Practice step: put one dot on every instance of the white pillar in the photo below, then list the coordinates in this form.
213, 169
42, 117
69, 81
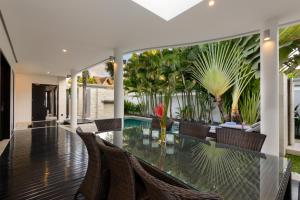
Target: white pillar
62, 95
283, 116
269, 56
118, 85
74, 99
292, 112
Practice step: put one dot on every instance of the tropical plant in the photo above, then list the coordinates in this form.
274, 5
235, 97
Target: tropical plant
289, 45
244, 76
110, 68
132, 108
250, 103
85, 77
216, 66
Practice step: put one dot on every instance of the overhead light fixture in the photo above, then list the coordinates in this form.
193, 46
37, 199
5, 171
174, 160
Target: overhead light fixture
64, 50
48, 72
167, 9
211, 3
267, 35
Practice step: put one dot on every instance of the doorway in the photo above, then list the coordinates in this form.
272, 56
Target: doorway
44, 102
5, 98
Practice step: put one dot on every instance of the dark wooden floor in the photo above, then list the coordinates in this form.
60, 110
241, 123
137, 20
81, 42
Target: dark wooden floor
45, 163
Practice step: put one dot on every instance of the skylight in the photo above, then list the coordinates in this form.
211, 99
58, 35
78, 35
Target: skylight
167, 9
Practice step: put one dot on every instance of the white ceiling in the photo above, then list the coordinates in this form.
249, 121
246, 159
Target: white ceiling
90, 29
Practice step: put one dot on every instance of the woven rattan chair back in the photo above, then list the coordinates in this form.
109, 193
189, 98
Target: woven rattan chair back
92, 184
235, 137
159, 190
194, 129
122, 180
104, 125
155, 124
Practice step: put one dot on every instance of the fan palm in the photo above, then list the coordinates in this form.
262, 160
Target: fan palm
245, 75
216, 66
289, 43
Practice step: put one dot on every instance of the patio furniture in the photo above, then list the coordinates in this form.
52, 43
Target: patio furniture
105, 125
91, 187
246, 140
194, 129
155, 124
154, 171
122, 179
210, 167
159, 190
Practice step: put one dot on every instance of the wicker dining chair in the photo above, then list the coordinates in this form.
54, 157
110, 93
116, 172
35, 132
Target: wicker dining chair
239, 138
155, 124
92, 186
122, 179
104, 125
157, 173
194, 129
159, 190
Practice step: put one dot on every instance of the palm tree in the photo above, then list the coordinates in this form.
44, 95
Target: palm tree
289, 44
110, 68
85, 78
169, 71
216, 66
244, 76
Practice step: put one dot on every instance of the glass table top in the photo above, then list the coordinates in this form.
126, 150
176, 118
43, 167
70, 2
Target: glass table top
205, 165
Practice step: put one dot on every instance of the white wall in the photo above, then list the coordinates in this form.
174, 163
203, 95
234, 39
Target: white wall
23, 91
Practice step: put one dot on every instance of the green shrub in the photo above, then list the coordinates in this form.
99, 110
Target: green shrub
132, 108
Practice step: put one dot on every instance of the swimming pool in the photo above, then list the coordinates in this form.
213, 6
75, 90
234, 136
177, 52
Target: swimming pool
130, 122
137, 122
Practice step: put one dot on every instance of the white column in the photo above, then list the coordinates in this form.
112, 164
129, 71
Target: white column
292, 112
118, 85
269, 87
62, 94
283, 116
74, 99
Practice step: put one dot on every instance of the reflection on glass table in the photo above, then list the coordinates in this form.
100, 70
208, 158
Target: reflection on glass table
209, 167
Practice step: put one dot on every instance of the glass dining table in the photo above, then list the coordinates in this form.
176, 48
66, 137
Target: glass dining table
207, 166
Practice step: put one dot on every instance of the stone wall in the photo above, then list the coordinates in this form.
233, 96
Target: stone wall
100, 102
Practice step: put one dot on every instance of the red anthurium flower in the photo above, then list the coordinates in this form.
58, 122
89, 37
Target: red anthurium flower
159, 110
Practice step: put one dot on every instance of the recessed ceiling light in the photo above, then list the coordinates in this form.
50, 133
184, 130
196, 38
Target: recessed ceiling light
211, 3
167, 9
64, 50
48, 72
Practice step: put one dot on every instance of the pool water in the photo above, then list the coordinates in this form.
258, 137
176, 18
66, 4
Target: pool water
133, 122
145, 123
